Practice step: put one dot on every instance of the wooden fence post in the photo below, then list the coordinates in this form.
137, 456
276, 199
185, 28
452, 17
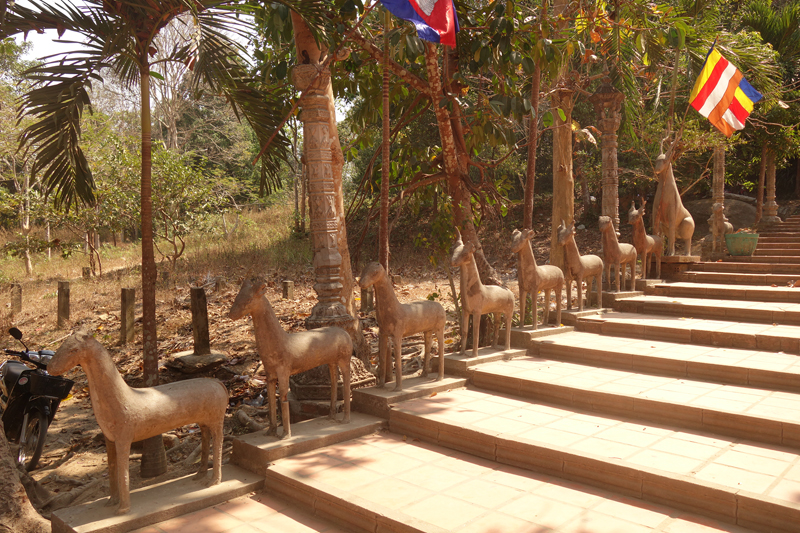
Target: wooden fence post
202, 344
127, 316
288, 290
16, 298
367, 302
63, 303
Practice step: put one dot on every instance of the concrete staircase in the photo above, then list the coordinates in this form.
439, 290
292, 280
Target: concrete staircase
677, 411
682, 405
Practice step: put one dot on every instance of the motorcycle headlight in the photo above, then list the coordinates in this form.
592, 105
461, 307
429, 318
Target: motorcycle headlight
34, 357
46, 358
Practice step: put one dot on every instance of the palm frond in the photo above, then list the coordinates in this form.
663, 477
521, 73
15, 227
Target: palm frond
59, 96
217, 64
52, 140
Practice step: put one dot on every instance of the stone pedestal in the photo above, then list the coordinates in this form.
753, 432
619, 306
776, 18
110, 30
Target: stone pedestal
607, 102
673, 265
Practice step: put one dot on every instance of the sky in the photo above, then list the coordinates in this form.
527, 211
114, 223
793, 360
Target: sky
44, 44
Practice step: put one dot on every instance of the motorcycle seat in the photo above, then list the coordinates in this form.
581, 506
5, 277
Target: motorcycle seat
12, 370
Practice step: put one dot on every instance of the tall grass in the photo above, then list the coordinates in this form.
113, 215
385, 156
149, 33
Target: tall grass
262, 243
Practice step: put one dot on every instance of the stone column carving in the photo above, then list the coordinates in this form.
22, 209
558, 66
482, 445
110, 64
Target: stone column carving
325, 217
607, 102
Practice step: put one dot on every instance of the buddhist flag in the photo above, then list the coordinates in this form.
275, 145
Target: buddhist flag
722, 95
436, 20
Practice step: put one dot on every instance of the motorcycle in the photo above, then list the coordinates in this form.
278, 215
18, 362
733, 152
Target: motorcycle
29, 399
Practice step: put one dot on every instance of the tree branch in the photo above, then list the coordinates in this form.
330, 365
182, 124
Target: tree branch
376, 53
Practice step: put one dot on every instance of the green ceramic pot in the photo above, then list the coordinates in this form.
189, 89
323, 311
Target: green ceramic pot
741, 243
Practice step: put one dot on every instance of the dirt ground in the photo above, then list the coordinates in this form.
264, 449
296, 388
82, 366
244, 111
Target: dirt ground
73, 466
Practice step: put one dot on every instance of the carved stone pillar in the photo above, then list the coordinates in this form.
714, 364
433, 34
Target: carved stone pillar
607, 102
770, 205
325, 218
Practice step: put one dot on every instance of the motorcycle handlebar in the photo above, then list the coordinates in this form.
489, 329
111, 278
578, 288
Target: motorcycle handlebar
25, 357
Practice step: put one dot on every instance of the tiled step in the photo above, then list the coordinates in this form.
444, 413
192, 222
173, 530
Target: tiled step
746, 267
253, 450
760, 415
778, 246
391, 482
785, 236
769, 370
156, 503
763, 259
776, 239
777, 252
726, 292
698, 331
774, 232
740, 482
734, 278
715, 309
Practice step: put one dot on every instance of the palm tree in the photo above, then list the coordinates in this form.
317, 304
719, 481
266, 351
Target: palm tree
119, 36
780, 27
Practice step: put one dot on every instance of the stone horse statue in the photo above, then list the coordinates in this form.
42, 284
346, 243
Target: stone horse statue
671, 217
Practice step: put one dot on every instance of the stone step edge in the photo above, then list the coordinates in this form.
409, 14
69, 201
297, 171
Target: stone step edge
759, 429
780, 294
768, 259
156, 503
704, 337
699, 310
745, 278
377, 401
738, 507
354, 513
663, 366
252, 451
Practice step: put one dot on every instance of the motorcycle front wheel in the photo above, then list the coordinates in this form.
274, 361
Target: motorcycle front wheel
35, 433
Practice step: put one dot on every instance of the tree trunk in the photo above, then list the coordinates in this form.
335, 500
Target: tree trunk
152, 463
383, 238
455, 157
17, 515
26, 225
305, 43
762, 172
563, 181
303, 201
585, 196
47, 237
533, 141
718, 179
797, 178
298, 176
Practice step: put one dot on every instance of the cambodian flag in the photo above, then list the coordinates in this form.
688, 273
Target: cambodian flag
436, 20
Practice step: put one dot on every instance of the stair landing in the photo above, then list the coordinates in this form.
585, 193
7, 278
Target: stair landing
377, 482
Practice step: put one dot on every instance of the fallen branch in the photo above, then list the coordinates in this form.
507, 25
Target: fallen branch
248, 422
